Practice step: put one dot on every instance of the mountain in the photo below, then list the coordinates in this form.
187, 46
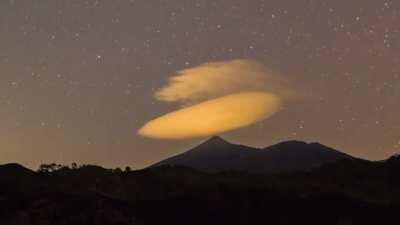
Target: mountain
216, 154
351, 191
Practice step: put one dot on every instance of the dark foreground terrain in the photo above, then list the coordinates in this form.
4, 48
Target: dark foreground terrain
347, 191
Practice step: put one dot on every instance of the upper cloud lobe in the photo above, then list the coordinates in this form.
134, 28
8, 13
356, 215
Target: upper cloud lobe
212, 80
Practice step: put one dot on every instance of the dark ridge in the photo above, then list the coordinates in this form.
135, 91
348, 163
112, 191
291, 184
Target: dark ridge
15, 169
340, 192
217, 155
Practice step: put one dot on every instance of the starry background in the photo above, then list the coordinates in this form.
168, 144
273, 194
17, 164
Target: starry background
77, 77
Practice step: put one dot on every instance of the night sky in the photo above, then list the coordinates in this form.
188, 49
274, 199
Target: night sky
78, 79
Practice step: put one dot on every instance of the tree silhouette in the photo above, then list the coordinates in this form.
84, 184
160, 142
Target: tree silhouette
128, 169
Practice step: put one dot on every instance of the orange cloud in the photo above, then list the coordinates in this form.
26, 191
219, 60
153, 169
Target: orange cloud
212, 80
214, 116
218, 97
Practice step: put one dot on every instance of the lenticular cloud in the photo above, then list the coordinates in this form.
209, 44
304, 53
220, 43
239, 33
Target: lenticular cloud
217, 97
213, 116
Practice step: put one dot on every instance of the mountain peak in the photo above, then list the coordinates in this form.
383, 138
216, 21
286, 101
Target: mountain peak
292, 142
216, 140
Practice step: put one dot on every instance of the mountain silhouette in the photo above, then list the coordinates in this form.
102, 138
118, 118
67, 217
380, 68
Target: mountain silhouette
348, 191
216, 155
